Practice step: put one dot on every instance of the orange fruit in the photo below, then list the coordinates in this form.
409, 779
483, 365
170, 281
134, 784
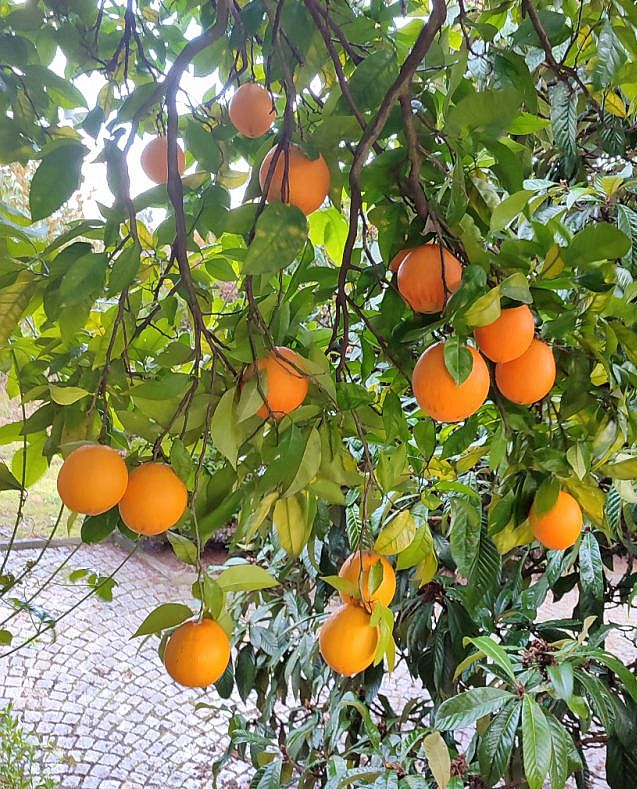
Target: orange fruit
155, 499
420, 279
284, 386
439, 395
197, 653
308, 181
560, 527
251, 110
394, 263
528, 378
508, 336
347, 641
358, 573
154, 160
92, 479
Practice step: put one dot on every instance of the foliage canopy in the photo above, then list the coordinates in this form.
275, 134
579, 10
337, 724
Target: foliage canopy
503, 131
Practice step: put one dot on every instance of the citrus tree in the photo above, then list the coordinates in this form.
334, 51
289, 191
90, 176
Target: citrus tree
382, 322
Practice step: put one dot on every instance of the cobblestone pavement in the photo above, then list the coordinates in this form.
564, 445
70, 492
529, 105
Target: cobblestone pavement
114, 718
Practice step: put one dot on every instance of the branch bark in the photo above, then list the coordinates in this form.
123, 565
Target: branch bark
370, 136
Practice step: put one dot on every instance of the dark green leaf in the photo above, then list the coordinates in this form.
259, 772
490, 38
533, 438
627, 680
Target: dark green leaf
536, 743
496, 744
467, 707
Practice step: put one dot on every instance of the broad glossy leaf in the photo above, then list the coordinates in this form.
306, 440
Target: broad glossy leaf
56, 178
465, 708
280, 234
165, 616
536, 743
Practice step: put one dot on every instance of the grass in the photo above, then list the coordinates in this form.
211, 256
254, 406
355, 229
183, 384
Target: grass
19, 756
43, 503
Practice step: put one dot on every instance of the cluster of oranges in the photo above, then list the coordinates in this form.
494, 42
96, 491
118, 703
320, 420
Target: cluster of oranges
347, 640
524, 367
151, 499
293, 178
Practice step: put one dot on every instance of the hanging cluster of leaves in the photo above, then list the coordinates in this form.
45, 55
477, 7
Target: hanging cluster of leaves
505, 132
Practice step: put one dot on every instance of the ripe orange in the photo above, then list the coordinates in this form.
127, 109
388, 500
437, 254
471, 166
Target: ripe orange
352, 571
528, 378
197, 653
560, 527
284, 386
439, 395
508, 336
394, 263
308, 181
92, 479
347, 641
251, 110
154, 160
420, 280
155, 499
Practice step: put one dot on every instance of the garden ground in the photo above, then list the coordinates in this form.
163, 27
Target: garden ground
112, 717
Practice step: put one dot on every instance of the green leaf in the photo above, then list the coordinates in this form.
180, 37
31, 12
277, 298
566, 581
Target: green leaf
561, 676
245, 670
6, 637
181, 461
610, 57
624, 469
56, 178
564, 117
563, 747
527, 123
509, 209
185, 550
468, 707
67, 395
546, 495
349, 700
341, 584
165, 616
464, 537
536, 743
35, 460
83, 279
14, 299
245, 578
597, 241
590, 566
397, 535
493, 650
484, 309
309, 466
291, 524
124, 269
223, 427
438, 758
425, 438
418, 550
516, 287
458, 360
281, 233
372, 77
96, 528
497, 742
7, 480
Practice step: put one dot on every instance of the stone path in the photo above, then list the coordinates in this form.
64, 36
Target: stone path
113, 716
116, 720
